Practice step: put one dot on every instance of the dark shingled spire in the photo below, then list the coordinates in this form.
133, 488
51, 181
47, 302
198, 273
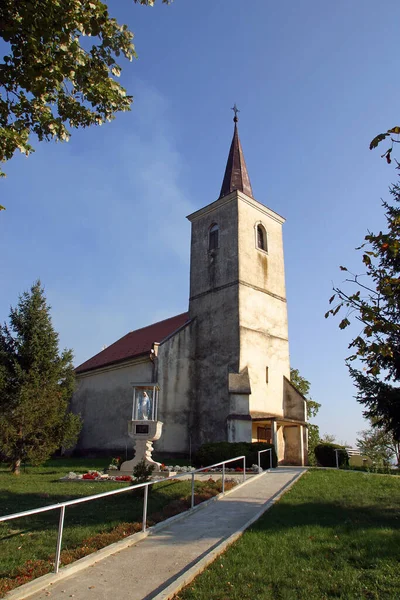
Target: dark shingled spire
236, 176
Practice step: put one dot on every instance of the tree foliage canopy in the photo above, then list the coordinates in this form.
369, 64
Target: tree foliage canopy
375, 304
379, 445
381, 137
301, 384
36, 384
52, 78
313, 407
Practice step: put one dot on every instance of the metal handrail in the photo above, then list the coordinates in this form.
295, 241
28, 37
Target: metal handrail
270, 457
62, 505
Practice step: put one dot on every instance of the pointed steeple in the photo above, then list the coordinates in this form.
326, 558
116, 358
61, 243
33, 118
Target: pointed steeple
236, 176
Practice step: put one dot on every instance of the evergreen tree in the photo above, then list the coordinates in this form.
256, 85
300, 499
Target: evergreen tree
313, 407
376, 305
36, 384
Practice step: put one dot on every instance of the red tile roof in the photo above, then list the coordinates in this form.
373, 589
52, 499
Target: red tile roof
134, 343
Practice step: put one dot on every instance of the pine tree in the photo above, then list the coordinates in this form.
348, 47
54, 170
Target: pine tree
36, 384
376, 305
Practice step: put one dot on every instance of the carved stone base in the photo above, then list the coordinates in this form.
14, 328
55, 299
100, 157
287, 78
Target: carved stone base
143, 451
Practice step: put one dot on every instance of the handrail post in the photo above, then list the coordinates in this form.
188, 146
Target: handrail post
223, 478
192, 500
244, 469
259, 460
337, 458
145, 496
59, 539
270, 457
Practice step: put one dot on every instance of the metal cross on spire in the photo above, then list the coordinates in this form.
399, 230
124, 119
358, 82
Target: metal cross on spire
236, 111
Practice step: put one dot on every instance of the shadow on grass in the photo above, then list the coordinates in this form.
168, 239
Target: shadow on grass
356, 535
101, 513
329, 514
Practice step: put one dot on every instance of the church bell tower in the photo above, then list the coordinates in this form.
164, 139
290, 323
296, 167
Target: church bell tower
238, 304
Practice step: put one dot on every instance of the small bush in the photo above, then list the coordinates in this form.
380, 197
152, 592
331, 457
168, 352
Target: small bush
326, 455
209, 454
142, 472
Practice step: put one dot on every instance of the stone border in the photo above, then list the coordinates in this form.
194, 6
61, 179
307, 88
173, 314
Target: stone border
27, 589
183, 580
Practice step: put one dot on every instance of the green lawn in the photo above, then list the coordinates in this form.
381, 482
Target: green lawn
34, 538
333, 535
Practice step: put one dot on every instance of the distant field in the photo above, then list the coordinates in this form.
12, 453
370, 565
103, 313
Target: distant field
333, 535
27, 546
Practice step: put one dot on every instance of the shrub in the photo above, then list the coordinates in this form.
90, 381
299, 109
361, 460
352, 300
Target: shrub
142, 472
326, 455
209, 454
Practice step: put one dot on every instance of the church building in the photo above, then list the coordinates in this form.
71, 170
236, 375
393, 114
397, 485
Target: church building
219, 372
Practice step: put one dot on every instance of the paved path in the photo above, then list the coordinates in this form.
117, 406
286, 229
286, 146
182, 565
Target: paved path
143, 571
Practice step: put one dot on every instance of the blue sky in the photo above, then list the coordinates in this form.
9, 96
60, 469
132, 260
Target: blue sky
101, 220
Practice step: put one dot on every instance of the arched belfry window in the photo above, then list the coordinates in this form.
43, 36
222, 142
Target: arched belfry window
213, 241
261, 237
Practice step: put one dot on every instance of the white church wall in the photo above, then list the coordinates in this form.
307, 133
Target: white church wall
214, 306
262, 307
239, 404
104, 399
174, 406
292, 445
239, 430
295, 406
265, 353
265, 270
210, 269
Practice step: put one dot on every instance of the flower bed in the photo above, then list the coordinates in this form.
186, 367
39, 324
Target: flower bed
97, 476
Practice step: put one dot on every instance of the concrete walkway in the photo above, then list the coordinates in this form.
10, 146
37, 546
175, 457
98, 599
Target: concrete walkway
159, 565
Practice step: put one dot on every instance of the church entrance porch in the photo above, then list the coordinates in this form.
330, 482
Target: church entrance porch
288, 436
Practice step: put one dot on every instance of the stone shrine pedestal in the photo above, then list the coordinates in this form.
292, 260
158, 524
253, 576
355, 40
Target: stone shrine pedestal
143, 433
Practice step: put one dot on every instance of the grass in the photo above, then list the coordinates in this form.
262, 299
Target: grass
333, 535
28, 544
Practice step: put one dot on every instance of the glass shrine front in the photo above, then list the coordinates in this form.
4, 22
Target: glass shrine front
145, 400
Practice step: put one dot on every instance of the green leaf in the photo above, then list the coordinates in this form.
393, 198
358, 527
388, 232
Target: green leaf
343, 268
331, 299
344, 323
366, 259
378, 139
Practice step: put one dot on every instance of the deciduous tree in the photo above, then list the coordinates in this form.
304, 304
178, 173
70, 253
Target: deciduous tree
373, 301
36, 384
59, 70
379, 445
313, 407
